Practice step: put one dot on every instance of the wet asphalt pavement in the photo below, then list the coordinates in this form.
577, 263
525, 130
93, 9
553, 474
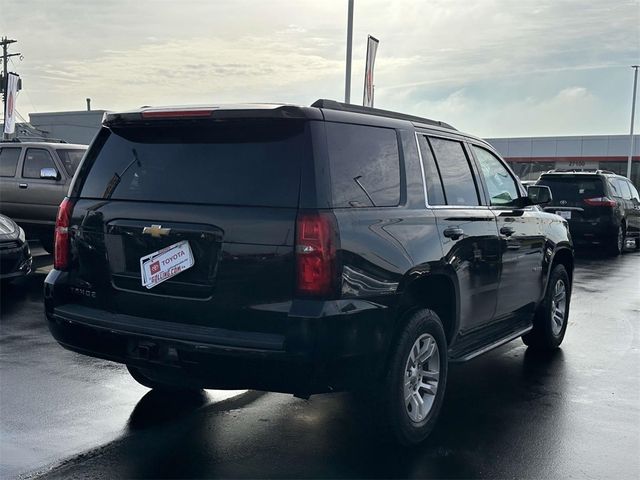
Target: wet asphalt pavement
574, 413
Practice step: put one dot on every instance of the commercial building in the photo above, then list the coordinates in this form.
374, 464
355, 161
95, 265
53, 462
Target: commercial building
531, 156
71, 127
528, 156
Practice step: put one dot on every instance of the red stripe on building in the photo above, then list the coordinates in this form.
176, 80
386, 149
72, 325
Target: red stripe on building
636, 158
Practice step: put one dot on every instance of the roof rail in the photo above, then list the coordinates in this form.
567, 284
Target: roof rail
347, 107
36, 139
579, 170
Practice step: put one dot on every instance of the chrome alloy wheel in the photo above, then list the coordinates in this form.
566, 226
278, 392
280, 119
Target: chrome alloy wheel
422, 372
558, 307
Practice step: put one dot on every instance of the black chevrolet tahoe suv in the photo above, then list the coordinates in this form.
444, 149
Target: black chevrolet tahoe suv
602, 208
303, 250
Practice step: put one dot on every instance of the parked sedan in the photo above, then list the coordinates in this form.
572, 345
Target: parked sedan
15, 256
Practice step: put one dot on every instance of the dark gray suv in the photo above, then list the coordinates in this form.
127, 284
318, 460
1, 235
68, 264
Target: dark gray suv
602, 208
34, 178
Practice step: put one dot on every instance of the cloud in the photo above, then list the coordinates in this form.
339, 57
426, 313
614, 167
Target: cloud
438, 56
571, 110
574, 93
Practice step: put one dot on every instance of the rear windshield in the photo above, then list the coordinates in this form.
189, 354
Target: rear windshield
573, 187
253, 163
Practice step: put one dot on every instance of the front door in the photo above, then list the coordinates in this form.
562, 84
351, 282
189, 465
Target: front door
521, 238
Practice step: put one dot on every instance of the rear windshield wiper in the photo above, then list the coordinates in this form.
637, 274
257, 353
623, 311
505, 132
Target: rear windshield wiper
357, 180
115, 179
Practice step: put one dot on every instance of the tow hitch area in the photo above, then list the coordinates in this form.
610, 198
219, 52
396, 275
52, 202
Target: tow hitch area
153, 352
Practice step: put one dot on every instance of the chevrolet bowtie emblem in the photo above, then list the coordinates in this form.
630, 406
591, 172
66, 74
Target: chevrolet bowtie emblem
156, 231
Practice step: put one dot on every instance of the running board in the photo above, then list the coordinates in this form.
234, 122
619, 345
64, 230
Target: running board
491, 346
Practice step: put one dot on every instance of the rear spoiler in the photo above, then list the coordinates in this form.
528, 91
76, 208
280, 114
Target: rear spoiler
150, 116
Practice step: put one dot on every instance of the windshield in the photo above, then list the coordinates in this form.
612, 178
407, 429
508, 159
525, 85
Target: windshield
230, 163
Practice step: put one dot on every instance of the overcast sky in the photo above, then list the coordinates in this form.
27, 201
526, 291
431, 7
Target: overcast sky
490, 67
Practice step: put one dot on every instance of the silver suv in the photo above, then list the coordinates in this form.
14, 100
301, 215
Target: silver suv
34, 178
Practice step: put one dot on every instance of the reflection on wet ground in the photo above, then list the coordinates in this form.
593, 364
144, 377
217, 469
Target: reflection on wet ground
511, 413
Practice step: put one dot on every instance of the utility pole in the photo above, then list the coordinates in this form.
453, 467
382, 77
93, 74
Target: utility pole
5, 42
633, 114
347, 77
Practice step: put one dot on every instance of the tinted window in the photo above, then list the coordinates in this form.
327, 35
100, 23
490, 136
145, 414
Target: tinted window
459, 187
573, 188
365, 165
615, 188
435, 193
634, 192
70, 159
233, 163
501, 185
35, 160
623, 187
8, 161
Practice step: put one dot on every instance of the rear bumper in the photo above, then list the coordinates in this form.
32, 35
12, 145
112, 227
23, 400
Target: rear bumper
596, 232
327, 346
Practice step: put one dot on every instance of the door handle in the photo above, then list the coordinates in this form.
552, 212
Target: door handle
454, 233
23, 185
507, 231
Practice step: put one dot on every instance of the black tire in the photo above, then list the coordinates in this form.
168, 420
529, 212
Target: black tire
150, 379
547, 334
638, 243
616, 244
47, 243
395, 415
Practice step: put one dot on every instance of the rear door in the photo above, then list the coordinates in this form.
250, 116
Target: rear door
467, 229
633, 214
521, 238
228, 188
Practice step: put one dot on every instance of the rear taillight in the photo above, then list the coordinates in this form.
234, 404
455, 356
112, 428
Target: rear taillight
600, 202
316, 260
61, 250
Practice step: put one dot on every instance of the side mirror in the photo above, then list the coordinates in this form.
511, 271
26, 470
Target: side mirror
539, 194
49, 174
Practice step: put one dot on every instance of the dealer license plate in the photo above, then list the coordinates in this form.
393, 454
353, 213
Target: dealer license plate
565, 214
164, 264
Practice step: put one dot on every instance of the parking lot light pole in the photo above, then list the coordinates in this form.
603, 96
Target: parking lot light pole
633, 114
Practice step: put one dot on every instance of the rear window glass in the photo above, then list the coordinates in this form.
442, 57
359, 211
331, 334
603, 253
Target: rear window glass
365, 165
573, 188
70, 159
8, 161
459, 186
435, 193
253, 163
